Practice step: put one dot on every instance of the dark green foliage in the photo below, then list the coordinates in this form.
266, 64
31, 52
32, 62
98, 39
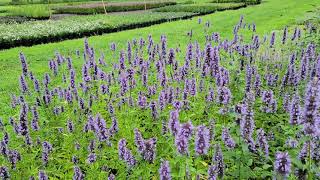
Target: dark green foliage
201, 8
237, 1
111, 8
74, 27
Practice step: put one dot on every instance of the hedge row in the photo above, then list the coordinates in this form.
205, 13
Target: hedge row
17, 35
201, 8
111, 8
248, 2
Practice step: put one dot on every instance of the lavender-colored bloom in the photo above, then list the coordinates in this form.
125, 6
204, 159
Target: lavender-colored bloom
164, 171
36, 85
177, 105
181, 142
292, 143
111, 109
210, 96
173, 123
247, 126
125, 154
77, 173
142, 101
315, 153
139, 141
70, 126
111, 177
227, 139
202, 140
270, 104
14, 156
248, 78
35, 119
212, 173
262, 142
162, 100
129, 158
285, 34
257, 85
295, 34
91, 158
43, 175
186, 129
24, 64
286, 103
6, 138
46, 149
145, 147
212, 129
4, 150
101, 129
114, 127
163, 47
171, 56
4, 173
303, 154
295, 111
92, 146
23, 84
75, 160
272, 39
23, 129
112, 46
224, 95
122, 148
311, 119
149, 152
218, 161
282, 164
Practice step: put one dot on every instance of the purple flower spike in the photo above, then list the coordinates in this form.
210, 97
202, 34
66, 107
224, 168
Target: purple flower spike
202, 140
218, 160
295, 111
227, 139
282, 164
43, 175
164, 171
78, 175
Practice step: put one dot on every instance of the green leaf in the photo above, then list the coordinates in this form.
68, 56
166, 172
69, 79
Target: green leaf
266, 166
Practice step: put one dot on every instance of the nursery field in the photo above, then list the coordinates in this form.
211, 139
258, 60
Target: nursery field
27, 25
217, 89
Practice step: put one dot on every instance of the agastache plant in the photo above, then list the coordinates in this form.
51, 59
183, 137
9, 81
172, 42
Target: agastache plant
164, 171
282, 164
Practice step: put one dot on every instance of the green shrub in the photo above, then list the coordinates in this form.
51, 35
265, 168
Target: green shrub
201, 8
111, 8
37, 32
30, 11
237, 1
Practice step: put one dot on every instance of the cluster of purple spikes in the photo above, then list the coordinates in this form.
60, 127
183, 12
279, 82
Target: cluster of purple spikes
159, 83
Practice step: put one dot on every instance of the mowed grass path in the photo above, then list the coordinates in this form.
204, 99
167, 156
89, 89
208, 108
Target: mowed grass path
268, 16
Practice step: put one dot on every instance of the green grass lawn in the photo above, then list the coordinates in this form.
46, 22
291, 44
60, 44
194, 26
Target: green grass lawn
268, 16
